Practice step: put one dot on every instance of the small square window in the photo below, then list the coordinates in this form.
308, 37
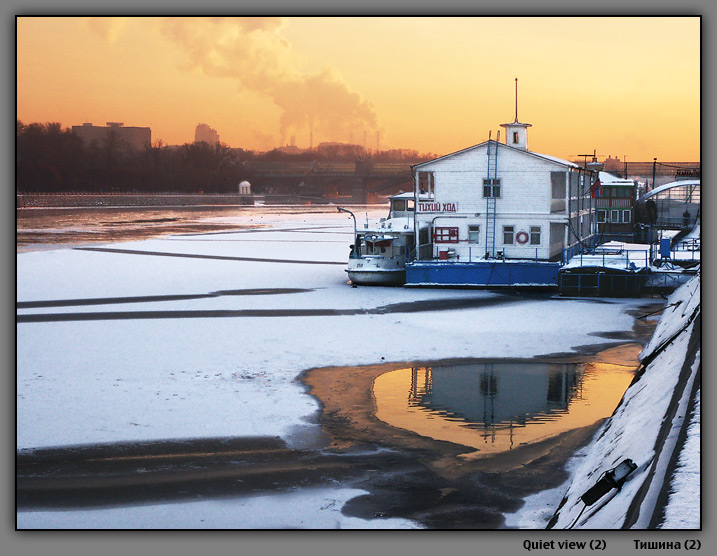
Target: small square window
615, 216
626, 216
473, 234
535, 235
491, 188
508, 235
602, 216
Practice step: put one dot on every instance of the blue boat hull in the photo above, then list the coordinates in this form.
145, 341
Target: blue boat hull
494, 274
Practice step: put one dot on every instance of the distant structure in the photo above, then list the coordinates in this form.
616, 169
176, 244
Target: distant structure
134, 137
205, 134
244, 188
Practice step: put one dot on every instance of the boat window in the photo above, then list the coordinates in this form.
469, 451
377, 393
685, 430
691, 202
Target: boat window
399, 205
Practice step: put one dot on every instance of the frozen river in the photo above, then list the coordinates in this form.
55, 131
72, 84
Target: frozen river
165, 357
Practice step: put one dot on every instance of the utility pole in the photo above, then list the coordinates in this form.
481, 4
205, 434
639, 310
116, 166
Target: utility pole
654, 167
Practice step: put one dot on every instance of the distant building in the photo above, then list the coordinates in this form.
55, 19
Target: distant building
205, 134
133, 137
615, 204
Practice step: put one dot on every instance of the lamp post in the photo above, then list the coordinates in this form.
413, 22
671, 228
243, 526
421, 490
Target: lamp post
355, 247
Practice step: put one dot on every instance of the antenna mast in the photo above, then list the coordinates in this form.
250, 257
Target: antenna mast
516, 99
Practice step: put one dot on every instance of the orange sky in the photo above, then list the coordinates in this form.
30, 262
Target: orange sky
622, 86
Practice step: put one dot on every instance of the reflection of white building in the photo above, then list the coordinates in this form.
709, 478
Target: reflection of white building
495, 393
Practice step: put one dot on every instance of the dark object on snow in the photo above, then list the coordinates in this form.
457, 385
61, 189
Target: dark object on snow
614, 478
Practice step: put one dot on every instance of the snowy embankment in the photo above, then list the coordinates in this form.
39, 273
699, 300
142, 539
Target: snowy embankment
648, 427
204, 336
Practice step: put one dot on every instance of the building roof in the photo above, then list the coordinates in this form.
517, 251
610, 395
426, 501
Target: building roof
669, 186
607, 178
504, 146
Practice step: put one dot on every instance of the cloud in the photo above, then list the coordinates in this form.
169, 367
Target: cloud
109, 28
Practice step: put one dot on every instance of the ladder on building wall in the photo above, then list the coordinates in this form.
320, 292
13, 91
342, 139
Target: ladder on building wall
490, 210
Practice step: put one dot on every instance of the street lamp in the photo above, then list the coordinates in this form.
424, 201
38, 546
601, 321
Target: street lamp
355, 247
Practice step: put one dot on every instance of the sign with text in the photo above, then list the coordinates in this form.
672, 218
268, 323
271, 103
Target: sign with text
436, 207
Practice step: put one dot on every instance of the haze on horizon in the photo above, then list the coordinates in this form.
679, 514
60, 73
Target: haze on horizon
624, 86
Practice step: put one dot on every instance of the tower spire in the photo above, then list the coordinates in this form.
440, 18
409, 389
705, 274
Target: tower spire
516, 132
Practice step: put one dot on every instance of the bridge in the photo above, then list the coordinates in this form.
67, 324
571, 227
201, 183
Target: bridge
358, 182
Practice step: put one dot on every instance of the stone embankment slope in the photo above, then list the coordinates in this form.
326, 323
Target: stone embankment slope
651, 426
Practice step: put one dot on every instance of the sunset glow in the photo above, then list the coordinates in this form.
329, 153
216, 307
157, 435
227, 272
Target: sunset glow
624, 86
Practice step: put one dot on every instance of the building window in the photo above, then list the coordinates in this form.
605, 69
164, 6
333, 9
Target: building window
615, 216
602, 216
535, 235
515, 137
508, 235
626, 216
425, 182
445, 235
473, 234
491, 188
557, 185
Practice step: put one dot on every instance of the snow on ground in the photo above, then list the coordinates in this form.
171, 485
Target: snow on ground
632, 432
685, 486
631, 256
313, 508
191, 375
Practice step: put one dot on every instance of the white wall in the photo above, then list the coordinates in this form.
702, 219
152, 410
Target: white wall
525, 200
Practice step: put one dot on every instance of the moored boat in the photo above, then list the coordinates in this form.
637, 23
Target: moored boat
379, 253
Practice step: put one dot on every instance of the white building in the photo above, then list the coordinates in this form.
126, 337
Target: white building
501, 201
244, 188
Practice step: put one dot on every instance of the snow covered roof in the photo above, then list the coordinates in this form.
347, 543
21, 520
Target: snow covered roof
609, 179
503, 146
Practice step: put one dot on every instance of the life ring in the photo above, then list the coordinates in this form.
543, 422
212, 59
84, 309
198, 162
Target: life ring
522, 237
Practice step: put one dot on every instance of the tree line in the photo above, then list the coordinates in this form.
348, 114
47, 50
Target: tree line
52, 159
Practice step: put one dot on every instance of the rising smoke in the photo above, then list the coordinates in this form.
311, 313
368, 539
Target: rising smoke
252, 51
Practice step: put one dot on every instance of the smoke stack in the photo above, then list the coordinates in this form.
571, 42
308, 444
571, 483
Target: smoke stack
378, 139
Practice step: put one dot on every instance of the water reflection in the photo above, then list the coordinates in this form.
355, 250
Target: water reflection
495, 406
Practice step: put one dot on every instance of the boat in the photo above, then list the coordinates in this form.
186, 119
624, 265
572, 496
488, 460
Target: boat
379, 253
